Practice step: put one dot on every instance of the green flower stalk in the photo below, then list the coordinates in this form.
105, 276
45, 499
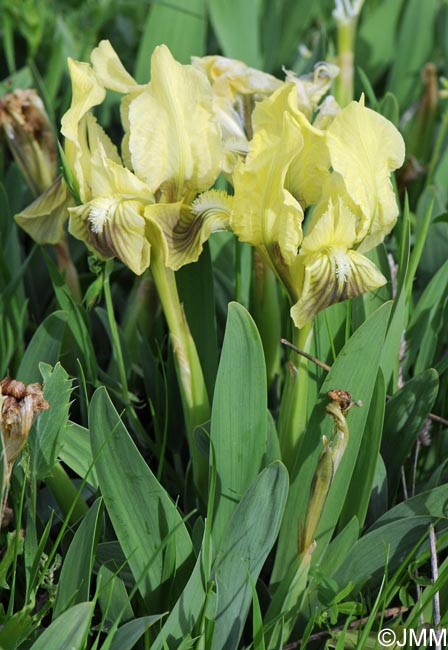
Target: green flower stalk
346, 15
327, 466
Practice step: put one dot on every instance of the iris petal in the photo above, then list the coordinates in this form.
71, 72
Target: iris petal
173, 141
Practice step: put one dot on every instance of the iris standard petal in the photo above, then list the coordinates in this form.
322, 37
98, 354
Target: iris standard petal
364, 149
174, 142
264, 212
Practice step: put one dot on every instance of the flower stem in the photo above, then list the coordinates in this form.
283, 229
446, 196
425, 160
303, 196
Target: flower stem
294, 404
68, 269
344, 81
346, 14
141, 312
195, 401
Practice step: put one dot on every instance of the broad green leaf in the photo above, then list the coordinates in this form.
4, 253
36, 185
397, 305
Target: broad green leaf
358, 495
273, 446
328, 336
238, 423
113, 597
182, 26
140, 509
76, 572
77, 452
69, 630
394, 540
44, 346
128, 634
248, 538
432, 503
236, 25
47, 436
186, 613
340, 547
404, 417
355, 370
111, 553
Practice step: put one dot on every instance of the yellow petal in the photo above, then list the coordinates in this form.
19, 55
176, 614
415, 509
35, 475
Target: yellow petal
235, 76
44, 219
364, 149
110, 70
309, 171
113, 228
174, 142
112, 222
86, 93
327, 270
109, 178
322, 286
181, 229
265, 213
98, 138
336, 228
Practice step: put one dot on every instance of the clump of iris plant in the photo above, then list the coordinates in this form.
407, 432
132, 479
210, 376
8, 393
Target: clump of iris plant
311, 188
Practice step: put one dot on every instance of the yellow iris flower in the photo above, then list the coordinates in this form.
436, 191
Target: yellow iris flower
344, 171
171, 143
